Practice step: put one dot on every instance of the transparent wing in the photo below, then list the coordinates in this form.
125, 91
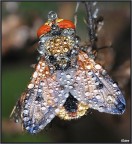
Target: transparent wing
16, 112
41, 100
95, 87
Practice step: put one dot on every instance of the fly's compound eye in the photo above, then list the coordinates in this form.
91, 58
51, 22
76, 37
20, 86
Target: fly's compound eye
64, 24
43, 30
67, 26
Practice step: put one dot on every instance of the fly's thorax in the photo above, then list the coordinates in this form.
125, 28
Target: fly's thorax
59, 45
59, 50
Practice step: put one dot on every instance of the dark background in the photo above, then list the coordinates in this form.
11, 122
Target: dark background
20, 21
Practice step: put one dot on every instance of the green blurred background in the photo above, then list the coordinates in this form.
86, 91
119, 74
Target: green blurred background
20, 21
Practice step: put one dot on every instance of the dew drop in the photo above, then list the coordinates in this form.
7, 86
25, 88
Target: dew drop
25, 111
110, 98
26, 118
68, 76
57, 111
30, 86
98, 96
52, 15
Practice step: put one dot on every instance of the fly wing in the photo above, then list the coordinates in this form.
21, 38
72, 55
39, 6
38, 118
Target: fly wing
42, 99
95, 87
16, 112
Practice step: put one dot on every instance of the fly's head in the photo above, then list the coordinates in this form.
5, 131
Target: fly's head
58, 41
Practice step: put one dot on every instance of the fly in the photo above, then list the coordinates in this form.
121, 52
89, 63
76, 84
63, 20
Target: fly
67, 81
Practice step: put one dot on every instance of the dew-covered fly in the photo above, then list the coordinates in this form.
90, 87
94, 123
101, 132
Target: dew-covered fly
66, 82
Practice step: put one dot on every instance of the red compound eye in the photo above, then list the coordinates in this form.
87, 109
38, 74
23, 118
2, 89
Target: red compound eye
62, 24
43, 30
66, 24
